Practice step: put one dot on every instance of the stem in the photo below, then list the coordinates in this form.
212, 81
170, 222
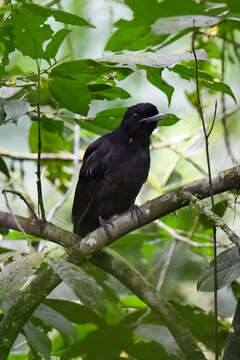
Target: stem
39, 184
211, 191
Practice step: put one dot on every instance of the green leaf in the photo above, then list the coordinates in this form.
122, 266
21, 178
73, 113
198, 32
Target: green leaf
147, 58
17, 235
37, 340
6, 41
137, 34
174, 24
87, 70
201, 324
228, 269
14, 109
58, 15
155, 77
133, 38
104, 91
4, 168
73, 311
71, 95
169, 120
55, 320
133, 301
205, 79
104, 122
55, 43
233, 6
30, 32
84, 286
14, 275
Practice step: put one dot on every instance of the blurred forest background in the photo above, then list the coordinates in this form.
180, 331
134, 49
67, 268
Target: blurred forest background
81, 72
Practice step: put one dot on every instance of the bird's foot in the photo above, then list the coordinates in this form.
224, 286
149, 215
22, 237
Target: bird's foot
137, 212
106, 224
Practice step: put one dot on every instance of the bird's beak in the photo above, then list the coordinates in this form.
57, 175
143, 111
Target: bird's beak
154, 118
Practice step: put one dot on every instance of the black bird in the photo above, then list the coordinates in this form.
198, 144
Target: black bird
114, 168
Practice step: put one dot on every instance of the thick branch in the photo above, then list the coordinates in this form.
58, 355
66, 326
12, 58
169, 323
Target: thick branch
123, 224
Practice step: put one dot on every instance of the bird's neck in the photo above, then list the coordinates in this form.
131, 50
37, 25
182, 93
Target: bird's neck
123, 135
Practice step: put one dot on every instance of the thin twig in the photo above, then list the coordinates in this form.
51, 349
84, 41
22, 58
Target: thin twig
213, 121
165, 266
14, 217
181, 238
211, 189
34, 156
218, 221
24, 200
179, 153
39, 184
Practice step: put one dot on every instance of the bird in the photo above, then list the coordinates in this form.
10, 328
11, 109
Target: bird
114, 168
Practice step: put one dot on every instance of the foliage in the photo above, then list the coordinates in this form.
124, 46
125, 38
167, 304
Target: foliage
93, 316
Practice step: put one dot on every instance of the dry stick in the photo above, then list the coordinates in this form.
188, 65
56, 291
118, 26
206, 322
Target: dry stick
223, 103
211, 189
22, 198
39, 184
218, 221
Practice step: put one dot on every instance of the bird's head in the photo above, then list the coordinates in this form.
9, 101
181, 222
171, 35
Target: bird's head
140, 120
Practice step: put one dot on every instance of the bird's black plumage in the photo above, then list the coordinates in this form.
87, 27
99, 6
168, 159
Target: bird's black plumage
114, 168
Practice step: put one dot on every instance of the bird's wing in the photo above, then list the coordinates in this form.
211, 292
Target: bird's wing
91, 173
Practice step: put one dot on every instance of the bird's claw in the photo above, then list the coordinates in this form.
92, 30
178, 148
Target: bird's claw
106, 224
137, 212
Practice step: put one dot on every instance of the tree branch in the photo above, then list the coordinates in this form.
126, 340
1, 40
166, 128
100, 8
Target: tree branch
123, 224
158, 207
